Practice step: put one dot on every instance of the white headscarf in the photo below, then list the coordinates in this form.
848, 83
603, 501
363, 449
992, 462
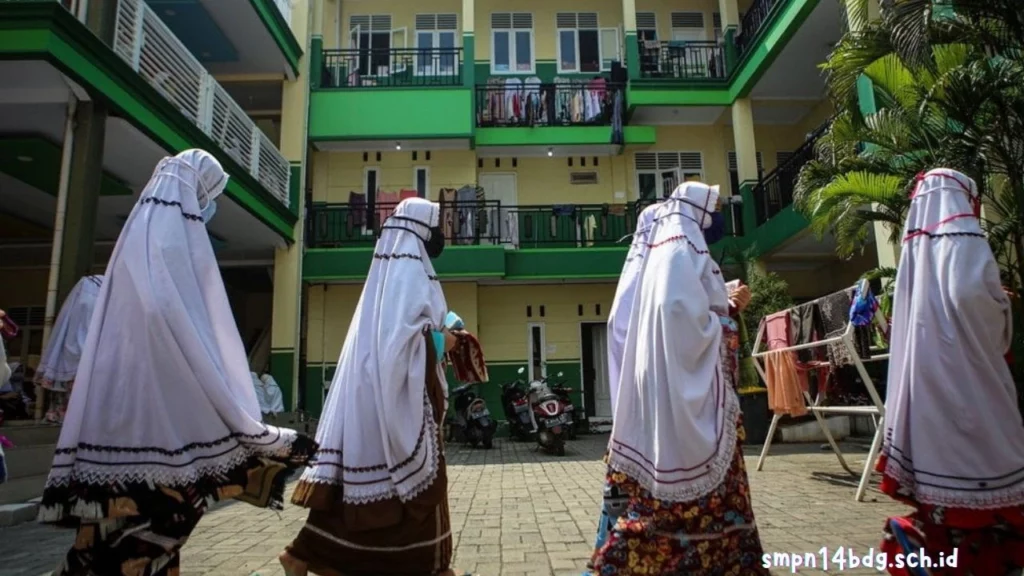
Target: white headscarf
377, 434
271, 394
953, 435
622, 304
64, 349
675, 418
163, 392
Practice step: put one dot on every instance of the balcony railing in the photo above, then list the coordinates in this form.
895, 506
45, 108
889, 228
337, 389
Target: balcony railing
596, 103
753, 21
143, 41
392, 67
682, 60
482, 223
775, 191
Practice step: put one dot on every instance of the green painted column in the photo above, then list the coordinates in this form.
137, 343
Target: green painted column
316, 61
282, 368
632, 62
85, 176
749, 208
469, 76
732, 53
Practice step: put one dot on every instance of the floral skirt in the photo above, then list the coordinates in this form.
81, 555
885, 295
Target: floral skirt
985, 542
710, 536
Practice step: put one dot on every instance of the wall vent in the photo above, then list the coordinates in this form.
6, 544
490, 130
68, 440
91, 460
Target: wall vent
582, 178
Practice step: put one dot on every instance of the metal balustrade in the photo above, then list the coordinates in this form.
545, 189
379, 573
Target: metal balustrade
482, 222
775, 191
753, 21
143, 41
682, 60
391, 67
594, 103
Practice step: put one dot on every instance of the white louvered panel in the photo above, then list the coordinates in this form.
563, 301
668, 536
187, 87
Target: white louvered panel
733, 166
565, 20
645, 161
668, 160
522, 20
143, 41
426, 21
447, 21
716, 19
501, 21
363, 21
586, 20
646, 21
380, 22
691, 161
688, 20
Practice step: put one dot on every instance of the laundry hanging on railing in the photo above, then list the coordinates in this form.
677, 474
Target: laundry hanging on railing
511, 101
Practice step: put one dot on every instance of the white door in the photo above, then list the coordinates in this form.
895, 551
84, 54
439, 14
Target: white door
602, 389
503, 224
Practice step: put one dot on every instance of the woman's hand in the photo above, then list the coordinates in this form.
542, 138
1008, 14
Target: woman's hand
740, 297
450, 340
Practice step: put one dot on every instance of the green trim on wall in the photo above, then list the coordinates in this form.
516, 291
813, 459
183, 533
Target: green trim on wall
280, 30
45, 31
499, 373
321, 265
776, 231
562, 136
282, 368
380, 114
43, 171
565, 263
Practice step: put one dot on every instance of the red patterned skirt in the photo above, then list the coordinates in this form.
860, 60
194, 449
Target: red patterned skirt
985, 542
714, 535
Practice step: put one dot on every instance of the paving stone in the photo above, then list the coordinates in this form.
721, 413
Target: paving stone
517, 512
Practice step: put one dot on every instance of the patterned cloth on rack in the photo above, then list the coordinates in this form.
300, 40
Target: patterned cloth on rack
466, 198
835, 316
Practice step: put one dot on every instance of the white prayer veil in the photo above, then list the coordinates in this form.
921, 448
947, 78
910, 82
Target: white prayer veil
674, 429
953, 434
377, 434
622, 303
163, 392
63, 350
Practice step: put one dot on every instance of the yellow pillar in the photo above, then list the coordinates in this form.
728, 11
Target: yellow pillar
746, 159
287, 309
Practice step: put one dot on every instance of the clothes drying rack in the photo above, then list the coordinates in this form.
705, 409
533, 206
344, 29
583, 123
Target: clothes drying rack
815, 407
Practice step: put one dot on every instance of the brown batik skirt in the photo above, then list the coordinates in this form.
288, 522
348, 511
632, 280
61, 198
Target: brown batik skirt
390, 537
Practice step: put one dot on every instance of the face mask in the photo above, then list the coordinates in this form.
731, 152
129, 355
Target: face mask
716, 231
435, 243
209, 211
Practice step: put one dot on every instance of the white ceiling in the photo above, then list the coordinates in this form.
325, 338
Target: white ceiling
257, 50
678, 115
29, 105
795, 74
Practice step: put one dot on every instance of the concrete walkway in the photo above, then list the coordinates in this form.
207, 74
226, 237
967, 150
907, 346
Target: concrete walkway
516, 512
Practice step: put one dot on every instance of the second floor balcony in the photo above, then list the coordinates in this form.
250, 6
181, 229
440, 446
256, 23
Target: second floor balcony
485, 222
392, 67
514, 103
774, 193
683, 60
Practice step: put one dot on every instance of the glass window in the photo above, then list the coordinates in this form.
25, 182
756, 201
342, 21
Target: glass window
648, 185
500, 51
446, 42
567, 50
421, 182
524, 51
590, 51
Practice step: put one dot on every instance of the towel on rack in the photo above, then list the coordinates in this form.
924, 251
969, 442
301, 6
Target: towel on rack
405, 193
835, 317
776, 330
785, 384
386, 204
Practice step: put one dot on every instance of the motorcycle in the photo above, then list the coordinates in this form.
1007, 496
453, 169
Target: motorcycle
472, 420
553, 419
516, 403
563, 391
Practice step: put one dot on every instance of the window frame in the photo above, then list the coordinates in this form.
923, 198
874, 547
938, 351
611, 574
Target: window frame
598, 30
513, 47
435, 35
426, 180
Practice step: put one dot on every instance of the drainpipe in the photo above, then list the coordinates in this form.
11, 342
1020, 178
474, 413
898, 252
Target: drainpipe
58, 236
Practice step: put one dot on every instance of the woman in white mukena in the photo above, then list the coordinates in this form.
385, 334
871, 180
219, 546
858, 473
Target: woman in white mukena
163, 421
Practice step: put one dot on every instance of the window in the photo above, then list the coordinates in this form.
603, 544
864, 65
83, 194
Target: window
646, 26
371, 178
435, 44
688, 27
373, 36
733, 164
512, 43
421, 179
583, 46
658, 173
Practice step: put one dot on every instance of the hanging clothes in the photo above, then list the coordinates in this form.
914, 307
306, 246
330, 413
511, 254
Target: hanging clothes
466, 199
785, 382
618, 136
449, 217
511, 228
835, 317
405, 193
385, 206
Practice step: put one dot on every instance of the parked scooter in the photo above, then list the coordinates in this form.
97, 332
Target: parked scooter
471, 419
553, 419
516, 403
563, 391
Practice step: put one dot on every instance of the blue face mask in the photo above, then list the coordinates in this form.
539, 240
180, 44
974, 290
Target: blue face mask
209, 211
716, 231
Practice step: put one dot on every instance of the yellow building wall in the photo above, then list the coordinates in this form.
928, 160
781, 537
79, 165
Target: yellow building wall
663, 10
829, 278
403, 15
546, 180
338, 173
545, 35
503, 320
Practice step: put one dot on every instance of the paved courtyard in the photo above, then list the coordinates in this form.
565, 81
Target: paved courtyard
516, 512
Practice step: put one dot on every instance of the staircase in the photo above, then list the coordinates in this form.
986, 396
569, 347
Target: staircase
28, 464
